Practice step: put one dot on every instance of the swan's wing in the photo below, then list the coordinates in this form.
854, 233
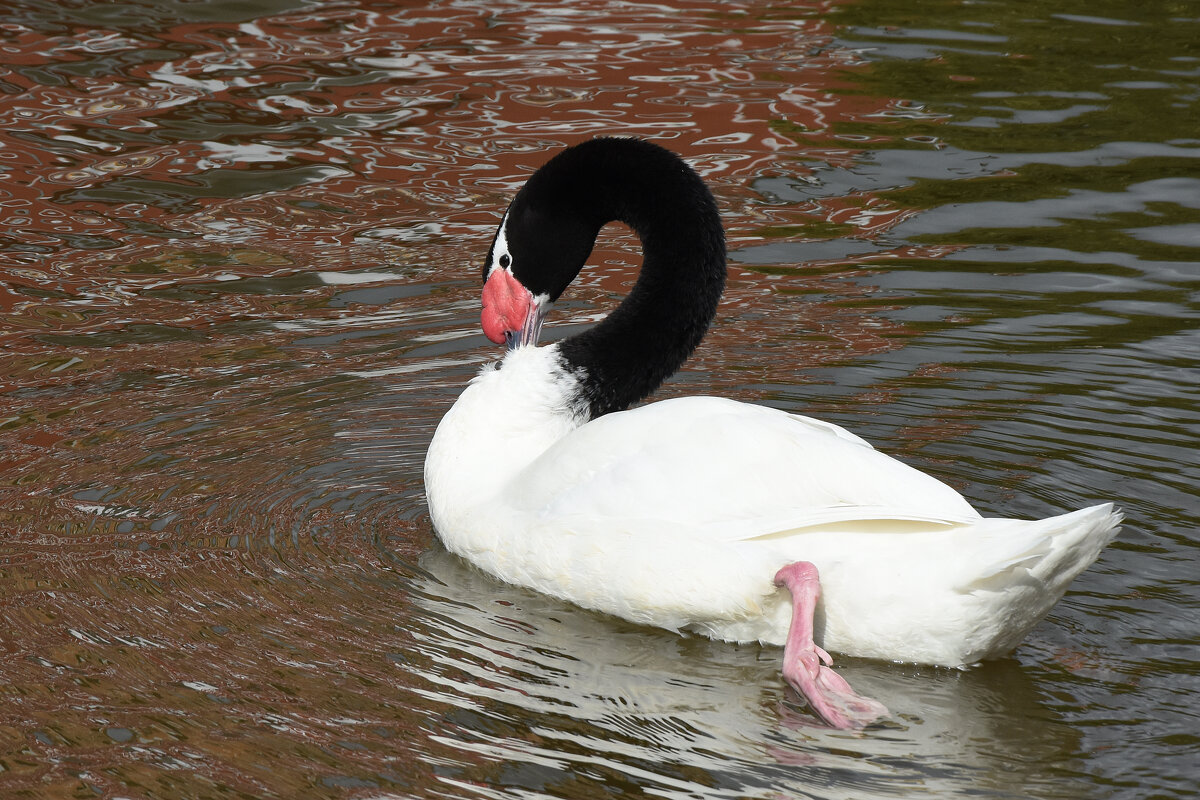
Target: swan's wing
727, 470
857, 519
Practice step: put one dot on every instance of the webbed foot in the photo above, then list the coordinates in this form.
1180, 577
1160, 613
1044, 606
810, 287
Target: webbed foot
807, 667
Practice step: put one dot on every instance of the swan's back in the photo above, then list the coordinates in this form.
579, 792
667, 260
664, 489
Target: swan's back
677, 514
733, 470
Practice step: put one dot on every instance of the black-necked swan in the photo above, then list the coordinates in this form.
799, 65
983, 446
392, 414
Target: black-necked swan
699, 513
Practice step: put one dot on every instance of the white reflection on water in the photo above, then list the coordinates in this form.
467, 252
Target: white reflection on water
571, 690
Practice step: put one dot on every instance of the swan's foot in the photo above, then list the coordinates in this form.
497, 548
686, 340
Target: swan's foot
806, 666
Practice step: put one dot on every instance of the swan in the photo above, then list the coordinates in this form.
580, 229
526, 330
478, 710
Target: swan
702, 514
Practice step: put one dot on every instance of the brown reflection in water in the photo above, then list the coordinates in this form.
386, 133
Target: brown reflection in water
341, 137
161, 671
207, 516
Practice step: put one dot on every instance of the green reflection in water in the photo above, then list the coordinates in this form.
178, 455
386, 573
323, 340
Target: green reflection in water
1019, 78
1052, 155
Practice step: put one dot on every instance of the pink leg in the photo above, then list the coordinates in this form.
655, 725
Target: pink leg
827, 692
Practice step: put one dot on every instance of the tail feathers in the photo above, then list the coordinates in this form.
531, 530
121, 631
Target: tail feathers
1046, 553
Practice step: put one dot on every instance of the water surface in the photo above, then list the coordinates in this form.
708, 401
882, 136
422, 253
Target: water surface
239, 253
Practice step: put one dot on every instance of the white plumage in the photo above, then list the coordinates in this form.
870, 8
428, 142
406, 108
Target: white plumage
678, 514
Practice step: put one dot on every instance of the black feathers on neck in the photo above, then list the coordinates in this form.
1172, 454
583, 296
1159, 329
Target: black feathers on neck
552, 225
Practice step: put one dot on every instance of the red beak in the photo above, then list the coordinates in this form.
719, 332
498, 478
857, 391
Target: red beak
507, 306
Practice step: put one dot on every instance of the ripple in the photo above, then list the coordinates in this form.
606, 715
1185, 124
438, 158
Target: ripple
240, 288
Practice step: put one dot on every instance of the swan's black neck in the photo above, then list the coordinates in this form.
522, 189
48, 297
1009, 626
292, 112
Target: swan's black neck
552, 225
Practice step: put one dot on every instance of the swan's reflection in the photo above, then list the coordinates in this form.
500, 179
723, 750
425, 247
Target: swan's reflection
546, 695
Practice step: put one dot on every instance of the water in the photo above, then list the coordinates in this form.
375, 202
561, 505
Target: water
239, 284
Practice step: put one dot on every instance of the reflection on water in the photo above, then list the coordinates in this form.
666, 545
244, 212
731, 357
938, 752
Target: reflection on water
239, 249
538, 683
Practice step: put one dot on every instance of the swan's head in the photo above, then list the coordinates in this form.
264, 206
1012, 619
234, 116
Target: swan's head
542, 243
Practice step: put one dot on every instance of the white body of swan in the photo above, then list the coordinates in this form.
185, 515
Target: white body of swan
598, 514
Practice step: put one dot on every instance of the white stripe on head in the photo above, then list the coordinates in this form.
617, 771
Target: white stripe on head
500, 247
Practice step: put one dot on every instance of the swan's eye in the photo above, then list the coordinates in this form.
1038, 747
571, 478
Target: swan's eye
505, 261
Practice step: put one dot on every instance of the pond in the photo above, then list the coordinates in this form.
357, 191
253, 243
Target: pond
240, 251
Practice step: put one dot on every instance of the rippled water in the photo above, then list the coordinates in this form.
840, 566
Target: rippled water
239, 279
